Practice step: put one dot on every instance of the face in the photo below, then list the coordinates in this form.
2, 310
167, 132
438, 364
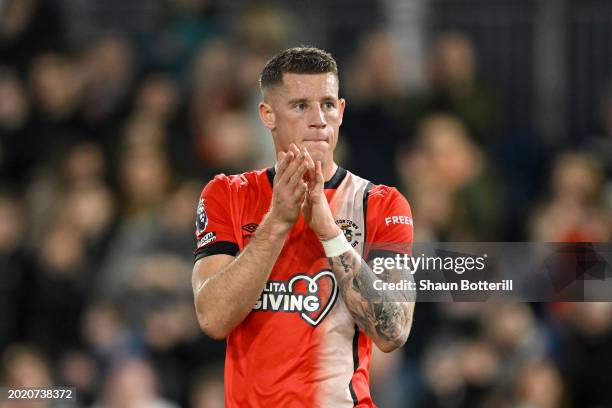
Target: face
305, 110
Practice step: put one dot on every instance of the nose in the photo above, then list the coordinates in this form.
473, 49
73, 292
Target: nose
317, 118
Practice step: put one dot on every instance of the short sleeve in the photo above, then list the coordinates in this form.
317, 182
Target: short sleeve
390, 219
214, 225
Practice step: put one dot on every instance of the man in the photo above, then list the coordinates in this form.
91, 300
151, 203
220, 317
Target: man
280, 268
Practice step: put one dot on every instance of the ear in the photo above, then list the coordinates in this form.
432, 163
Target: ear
267, 115
341, 106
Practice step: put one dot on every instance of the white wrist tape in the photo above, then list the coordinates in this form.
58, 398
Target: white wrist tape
336, 246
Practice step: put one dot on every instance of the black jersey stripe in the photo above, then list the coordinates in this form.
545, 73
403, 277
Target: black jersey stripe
366, 195
271, 172
332, 183
220, 247
355, 365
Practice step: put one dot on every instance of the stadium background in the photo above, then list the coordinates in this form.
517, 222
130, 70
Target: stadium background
494, 117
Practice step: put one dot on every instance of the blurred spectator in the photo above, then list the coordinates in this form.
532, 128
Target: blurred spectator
15, 104
207, 390
512, 329
587, 354
91, 208
260, 33
600, 146
457, 88
167, 323
55, 83
85, 163
265, 29
225, 141
576, 198
14, 126
452, 190
478, 355
371, 120
159, 108
11, 223
215, 60
59, 292
16, 271
87, 21
56, 89
164, 232
219, 127
539, 385
28, 27
74, 190
480, 366
24, 366
385, 378
157, 98
106, 335
78, 369
108, 68
445, 385
144, 179
148, 272
187, 25
132, 383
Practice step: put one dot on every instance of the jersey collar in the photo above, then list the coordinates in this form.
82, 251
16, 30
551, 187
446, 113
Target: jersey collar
332, 183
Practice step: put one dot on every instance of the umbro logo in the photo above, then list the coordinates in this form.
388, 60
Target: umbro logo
250, 227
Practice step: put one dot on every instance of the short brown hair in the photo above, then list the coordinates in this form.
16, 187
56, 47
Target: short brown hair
298, 60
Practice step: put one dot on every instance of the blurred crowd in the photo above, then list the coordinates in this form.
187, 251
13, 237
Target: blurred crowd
106, 141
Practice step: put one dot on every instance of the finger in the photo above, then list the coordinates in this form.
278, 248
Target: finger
309, 157
302, 198
295, 149
280, 162
300, 193
293, 167
311, 165
286, 159
285, 165
297, 176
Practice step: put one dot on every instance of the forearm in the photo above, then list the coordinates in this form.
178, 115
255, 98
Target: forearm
385, 316
226, 298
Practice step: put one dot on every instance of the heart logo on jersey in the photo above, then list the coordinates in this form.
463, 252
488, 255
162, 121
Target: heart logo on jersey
323, 285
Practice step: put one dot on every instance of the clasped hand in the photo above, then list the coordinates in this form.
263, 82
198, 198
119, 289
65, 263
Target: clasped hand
298, 185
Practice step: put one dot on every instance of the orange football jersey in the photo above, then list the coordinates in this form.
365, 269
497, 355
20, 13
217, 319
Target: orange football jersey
299, 346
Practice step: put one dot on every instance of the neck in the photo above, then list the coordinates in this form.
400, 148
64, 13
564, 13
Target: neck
329, 169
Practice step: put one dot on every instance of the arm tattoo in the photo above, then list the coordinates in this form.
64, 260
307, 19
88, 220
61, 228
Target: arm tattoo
382, 314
